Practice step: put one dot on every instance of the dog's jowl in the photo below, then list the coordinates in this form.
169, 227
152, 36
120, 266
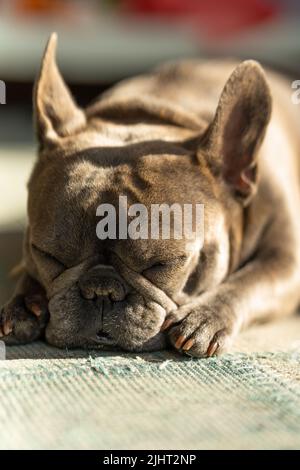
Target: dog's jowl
213, 133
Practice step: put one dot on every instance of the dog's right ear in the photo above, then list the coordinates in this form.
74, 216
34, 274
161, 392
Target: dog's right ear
56, 113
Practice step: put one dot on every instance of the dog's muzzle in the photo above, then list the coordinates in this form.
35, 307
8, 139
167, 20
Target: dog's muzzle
126, 309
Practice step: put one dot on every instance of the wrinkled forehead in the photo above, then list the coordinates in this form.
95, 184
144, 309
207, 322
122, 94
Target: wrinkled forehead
148, 178
77, 187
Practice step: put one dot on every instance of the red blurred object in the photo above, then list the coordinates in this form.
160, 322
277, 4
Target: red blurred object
214, 18
41, 6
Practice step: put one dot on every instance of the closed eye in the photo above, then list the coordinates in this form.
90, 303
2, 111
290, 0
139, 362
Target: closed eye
47, 255
159, 266
47, 264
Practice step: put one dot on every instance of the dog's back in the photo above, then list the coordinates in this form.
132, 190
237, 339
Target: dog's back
188, 92
196, 86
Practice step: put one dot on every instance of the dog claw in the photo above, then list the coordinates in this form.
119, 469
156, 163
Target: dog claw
7, 328
212, 348
166, 324
180, 341
188, 344
34, 304
35, 309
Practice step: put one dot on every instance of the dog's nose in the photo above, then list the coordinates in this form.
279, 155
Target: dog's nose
110, 288
97, 283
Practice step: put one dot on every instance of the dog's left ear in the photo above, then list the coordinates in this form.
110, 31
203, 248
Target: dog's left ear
238, 128
56, 113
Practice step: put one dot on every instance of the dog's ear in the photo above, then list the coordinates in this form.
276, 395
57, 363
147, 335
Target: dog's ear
234, 137
56, 114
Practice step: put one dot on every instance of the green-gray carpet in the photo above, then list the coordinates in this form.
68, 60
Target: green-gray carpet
77, 400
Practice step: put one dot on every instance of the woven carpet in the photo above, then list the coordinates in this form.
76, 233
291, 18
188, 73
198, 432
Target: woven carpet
249, 399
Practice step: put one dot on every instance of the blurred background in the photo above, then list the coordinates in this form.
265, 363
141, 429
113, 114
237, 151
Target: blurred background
103, 41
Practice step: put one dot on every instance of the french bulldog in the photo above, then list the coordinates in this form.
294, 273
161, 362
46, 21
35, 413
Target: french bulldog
214, 132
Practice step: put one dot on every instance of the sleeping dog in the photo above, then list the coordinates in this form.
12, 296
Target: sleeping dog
217, 133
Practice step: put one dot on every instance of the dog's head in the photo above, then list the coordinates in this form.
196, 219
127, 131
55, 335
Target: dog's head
118, 290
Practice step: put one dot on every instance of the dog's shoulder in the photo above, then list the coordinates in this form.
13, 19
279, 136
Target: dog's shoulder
183, 93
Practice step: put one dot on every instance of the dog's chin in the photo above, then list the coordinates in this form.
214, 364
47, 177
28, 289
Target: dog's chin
105, 342
59, 340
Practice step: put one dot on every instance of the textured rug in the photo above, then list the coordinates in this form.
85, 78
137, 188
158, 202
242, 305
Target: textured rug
53, 399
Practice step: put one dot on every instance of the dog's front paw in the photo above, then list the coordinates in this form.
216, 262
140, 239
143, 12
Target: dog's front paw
206, 330
23, 319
